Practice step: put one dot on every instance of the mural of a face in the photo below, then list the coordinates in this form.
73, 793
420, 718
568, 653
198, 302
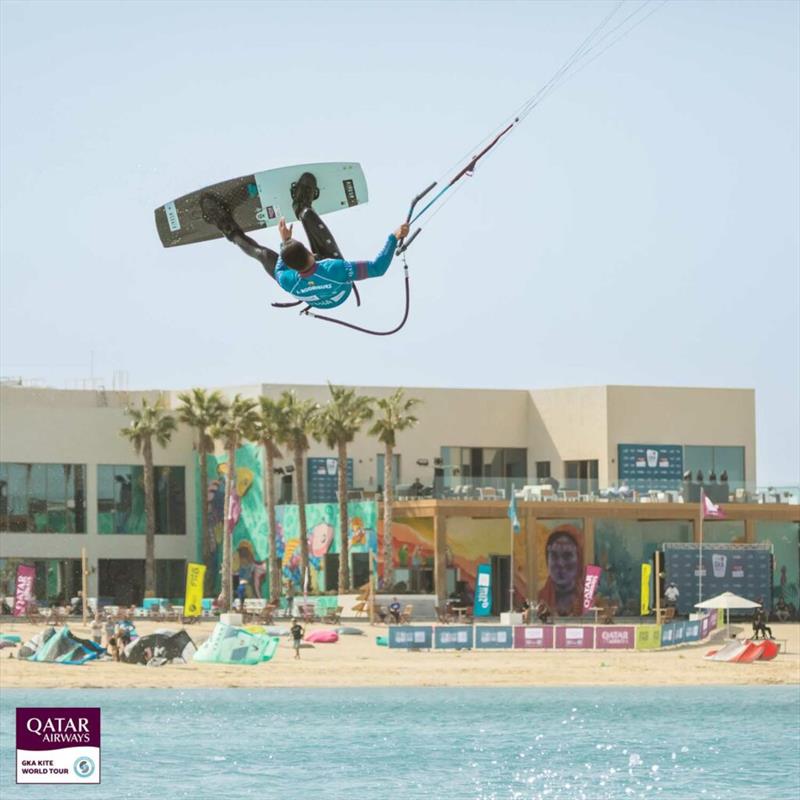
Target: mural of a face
562, 562
321, 539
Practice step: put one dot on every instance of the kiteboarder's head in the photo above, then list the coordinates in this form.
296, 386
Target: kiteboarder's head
296, 255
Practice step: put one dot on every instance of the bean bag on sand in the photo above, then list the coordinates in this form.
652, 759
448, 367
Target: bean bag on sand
323, 637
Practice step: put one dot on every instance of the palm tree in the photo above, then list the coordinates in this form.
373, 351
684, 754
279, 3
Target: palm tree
338, 424
394, 416
201, 410
236, 424
270, 424
149, 422
298, 421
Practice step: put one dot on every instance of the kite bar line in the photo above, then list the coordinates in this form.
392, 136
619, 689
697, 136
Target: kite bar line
577, 61
309, 313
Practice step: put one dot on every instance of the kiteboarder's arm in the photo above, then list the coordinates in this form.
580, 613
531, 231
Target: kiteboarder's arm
374, 269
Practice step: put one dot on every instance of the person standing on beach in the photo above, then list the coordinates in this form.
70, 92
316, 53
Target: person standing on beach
297, 636
97, 629
289, 598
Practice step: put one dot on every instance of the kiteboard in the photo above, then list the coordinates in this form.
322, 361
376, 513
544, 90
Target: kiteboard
260, 200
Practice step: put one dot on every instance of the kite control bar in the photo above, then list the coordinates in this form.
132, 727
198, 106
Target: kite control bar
404, 244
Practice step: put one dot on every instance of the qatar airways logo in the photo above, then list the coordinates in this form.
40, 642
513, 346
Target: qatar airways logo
60, 730
58, 745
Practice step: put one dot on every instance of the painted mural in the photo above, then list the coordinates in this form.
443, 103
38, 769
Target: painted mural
250, 532
560, 565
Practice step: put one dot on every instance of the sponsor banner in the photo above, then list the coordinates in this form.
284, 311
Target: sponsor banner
483, 591
650, 466
453, 637
614, 637
411, 637
590, 585
495, 637
533, 637
667, 634
691, 631
23, 594
712, 620
58, 745
705, 626
575, 637
720, 617
645, 590
195, 575
648, 637
679, 629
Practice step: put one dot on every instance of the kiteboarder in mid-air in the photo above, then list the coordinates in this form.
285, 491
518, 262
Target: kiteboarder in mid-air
320, 276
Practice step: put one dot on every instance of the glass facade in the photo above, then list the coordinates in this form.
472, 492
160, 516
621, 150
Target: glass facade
57, 581
120, 499
42, 498
621, 547
465, 464
380, 462
724, 532
785, 540
581, 476
717, 460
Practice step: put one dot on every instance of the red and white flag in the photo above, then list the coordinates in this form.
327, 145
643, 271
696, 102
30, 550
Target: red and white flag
710, 510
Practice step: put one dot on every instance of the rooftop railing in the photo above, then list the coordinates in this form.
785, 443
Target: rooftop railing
589, 490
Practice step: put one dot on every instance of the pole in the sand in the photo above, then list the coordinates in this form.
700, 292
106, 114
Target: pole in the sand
657, 586
700, 550
514, 526
84, 585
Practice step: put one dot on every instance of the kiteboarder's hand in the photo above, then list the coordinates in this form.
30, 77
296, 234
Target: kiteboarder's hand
284, 230
402, 231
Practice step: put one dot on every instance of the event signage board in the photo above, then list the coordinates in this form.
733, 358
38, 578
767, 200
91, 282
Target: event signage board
411, 637
648, 637
650, 466
574, 637
679, 632
614, 637
533, 637
668, 634
453, 637
691, 631
483, 591
58, 745
493, 637
323, 479
743, 569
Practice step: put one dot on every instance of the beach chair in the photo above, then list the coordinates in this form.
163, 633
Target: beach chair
665, 615
308, 612
333, 615
443, 614
405, 614
34, 614
360, 608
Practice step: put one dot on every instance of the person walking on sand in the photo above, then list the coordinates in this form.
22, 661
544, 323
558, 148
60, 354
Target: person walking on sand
297, 636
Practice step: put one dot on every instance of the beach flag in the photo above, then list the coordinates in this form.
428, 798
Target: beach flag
193, 603
644, 609
590, 584
710, 510
512, 511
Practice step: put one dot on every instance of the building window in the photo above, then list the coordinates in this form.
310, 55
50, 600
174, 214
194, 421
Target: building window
542, 470
380, 462
713, 460
459, 463
120, 499
581, 476
56, 581
42, 498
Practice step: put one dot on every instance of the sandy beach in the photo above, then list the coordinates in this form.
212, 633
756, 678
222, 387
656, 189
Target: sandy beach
358, 661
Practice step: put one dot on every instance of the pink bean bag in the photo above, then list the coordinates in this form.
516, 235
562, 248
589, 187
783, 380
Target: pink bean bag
323, 637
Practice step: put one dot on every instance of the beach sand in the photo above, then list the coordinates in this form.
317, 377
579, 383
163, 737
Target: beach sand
357, 661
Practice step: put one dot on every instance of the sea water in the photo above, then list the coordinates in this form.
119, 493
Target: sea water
437, 744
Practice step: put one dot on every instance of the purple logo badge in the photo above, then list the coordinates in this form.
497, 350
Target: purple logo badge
58, 745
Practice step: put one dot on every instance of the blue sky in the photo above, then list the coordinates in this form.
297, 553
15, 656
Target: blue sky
641, 227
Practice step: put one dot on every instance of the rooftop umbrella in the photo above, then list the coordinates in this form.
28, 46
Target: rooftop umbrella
727, 600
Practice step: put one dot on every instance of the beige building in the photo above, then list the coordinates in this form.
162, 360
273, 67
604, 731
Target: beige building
64, 466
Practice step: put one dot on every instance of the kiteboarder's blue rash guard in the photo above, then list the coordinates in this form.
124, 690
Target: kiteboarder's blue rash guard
329, 283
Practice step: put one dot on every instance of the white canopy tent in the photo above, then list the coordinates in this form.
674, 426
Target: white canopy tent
727, 600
